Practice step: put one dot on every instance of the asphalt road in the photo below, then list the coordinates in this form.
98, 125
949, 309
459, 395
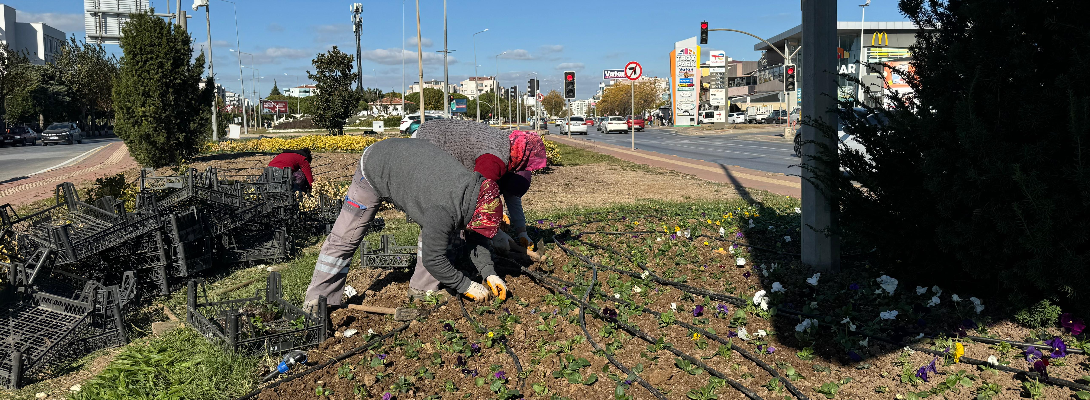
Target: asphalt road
723, 149
17, 162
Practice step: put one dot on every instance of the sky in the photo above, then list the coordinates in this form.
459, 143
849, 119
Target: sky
541, 38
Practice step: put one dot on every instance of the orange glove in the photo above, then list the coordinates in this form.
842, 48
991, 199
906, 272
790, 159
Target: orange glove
477, 292
498, 286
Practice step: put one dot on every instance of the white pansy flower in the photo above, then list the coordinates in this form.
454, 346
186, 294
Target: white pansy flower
934, 301
617, 295
751, 224
370, 331
761, 333
936, 290
686, 233
851, 326
798, 210
955, 297
658, 240
813, 305
891, 314
636, 289
977, 304
787, 239
813, 280
992, 360
908, 350
740, 261
645, 274
920, 290
777, 287
350, 291
804, 325
722, 231
864, 342
760, 299
742, 334
887, 283
673, 306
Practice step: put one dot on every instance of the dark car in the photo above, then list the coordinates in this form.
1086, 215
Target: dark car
62, 132
19, 135
776, 117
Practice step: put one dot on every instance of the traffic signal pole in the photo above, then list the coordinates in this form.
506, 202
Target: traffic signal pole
820, 243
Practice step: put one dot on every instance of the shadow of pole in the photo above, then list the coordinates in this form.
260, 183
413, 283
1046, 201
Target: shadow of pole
742, 191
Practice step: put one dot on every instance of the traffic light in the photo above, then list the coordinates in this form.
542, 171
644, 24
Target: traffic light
789, 77
704, 32
569, 84
530, 87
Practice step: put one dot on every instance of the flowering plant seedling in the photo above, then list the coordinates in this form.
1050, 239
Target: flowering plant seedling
570, 370
687, 366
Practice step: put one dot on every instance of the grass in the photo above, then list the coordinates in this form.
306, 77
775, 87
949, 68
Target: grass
180, 365
571, 156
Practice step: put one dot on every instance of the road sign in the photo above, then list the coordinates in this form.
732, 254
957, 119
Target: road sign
633, 71
458, 106
540, 96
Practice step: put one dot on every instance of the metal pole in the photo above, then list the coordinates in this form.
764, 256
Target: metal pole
242, 83
632, 118
357, 25
820, 245
446, 74
212, 74
403, 94
567, 116
420, 62
476, 76
861, 20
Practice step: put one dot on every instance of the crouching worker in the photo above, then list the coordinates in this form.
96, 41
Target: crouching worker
299, 162
437, 192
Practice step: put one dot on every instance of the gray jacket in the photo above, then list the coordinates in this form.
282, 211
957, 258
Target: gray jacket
437, 192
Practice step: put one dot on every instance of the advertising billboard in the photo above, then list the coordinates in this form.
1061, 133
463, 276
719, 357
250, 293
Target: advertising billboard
685, 60
274, 106
458, 106
717, 58
608, 74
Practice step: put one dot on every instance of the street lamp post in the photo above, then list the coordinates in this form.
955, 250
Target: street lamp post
420, 62
861, 19
238, 48
476, 84
496, 83
211, 71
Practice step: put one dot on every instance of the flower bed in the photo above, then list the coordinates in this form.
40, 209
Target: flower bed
316, 143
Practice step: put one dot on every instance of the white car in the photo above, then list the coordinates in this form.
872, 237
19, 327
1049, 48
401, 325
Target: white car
576, 125
736, 118
408, 120
614, 124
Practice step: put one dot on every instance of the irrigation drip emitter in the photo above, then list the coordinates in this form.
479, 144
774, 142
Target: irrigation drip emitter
507, 348
643, 335
739, 301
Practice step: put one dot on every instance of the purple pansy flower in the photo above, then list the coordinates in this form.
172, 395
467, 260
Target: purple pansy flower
1076, 326
381, 356
854, 286
448, 327
673, 236
540, 221
738, 235
500, 375
475, 347
855, 356
1059, 348
609, 313
746, 274
468, 371
387, 396
930, 367
722, 309
1032, 354
731, 334
698, 311
1041, 367
771, 349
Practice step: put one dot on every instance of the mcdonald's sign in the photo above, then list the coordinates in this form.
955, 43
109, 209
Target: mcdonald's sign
879, 39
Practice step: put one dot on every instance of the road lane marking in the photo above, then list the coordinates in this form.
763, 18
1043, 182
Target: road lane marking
71, 160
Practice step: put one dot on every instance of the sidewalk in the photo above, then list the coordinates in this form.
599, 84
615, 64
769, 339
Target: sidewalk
107, 160
741, 178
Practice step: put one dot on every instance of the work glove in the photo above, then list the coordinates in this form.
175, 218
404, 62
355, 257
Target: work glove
498, 286
477, 292
501, 243
524, 241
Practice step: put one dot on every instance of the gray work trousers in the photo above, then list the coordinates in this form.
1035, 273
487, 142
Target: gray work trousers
360, 205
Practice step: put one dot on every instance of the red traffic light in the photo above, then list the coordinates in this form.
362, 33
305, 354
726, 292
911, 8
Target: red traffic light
703, 25
569, 77
791, 70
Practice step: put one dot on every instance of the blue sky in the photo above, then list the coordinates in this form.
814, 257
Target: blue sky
546, 37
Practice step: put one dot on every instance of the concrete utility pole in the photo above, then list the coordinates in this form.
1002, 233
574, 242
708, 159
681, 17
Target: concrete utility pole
420, 62
357, 27
820, 246
211, 71
446, 75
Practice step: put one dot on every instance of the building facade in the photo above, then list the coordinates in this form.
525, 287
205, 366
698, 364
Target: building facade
433, 84
477, 85
389, 106
40, 42
581, 107
302, 91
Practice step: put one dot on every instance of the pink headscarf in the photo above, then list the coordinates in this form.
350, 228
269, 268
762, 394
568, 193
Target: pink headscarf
527, 152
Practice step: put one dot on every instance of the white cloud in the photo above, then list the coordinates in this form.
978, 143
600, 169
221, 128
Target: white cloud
284, 52
395, 56
411, 41
552, 48
517, 54
570, 67
68, 23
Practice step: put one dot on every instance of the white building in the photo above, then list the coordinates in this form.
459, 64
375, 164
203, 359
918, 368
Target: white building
302, 91
477, 85
433, 84
39, 41
389, 106
232, 100
580, 107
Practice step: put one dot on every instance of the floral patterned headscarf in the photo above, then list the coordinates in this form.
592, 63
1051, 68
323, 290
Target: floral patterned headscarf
486, 218
527, 152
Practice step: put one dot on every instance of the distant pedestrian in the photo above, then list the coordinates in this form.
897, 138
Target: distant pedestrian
299, 162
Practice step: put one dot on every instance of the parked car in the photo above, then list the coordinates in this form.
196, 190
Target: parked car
408, 120
62, 132
776, 117
20, 135
736, 118
576, 125
638, 122
615, 124
756, 115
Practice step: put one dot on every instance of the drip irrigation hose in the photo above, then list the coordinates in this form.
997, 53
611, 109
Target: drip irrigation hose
642, 335
967, 360
1020, 344
506, 348
745, 354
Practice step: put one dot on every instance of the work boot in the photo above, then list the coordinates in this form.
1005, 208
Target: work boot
440, 295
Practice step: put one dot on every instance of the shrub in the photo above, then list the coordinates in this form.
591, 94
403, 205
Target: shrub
969, 179
316, 143
302, 123
552, 153
1041, 315
393, 121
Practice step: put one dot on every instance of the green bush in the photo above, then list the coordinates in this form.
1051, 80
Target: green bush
981, 176
393, 121
1041, 315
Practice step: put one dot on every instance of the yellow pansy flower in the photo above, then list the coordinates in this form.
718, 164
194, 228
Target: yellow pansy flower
959, 351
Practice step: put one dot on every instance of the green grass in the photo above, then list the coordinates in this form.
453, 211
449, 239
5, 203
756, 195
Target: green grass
180, 365
571, 156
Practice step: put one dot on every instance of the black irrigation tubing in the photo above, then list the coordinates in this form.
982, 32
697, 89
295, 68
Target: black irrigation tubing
327, 363
506, 348
1019, 344
1049, 380
745, 354
643, 335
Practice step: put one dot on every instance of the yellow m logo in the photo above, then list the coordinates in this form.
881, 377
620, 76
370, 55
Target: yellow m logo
879, 39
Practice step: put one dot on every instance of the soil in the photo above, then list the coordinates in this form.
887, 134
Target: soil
597, 185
